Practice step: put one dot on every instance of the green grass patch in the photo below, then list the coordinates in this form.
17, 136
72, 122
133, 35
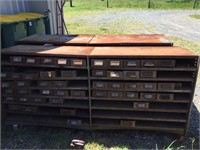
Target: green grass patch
195, 16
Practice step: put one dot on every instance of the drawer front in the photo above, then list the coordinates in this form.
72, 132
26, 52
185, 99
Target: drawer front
100, 85
148, 74
74, 122
55, 101
6, 84
148, 96
22, 84
61, 93
77, 93
115, 85
131, 63
48, 61
166, 86
5, 75
98, 63
127, 123
115, 63
59, 83
23, 91
131, 74
30, 109
15, 107
148, 86
30, 76
16, 59
140, 105
132, 86
44, 83
166, 63
131, 95
32, 60
63, 61
68, 112
161, 97
47, 74
70, 74
16, 76
79, 62
8, 91
9, 98
99, 94
99, 73
46, 92
148, 63
38, 100
115, 94
23, 99
115, 74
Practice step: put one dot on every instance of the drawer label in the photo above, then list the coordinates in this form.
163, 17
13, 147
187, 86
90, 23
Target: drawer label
98, 62
62, 61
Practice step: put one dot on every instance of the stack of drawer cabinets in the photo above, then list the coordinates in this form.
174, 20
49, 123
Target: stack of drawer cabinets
100, 87
46, 85
147, 88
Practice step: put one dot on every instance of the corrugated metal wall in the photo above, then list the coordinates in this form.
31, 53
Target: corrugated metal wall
13, 6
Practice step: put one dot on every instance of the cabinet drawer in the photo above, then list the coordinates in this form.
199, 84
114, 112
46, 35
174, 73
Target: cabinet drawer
131, 63
16, 59
55, 101
8, 91
5, 75
23, 91
115, 74
148, 86
46, 92
23, 99
22, 84
148, 74
9, 98
68, 112
79, 62
74, 122
59, 83
30, 76
166, 63
148, 96
32, 60
15, 107
63, 61
99, 93
115, 63
132, 86
115, 85
6, 84
115, 94
140, 105
30, 109
47, 74
100, 85
16, 76
48, 61
169, 97
131, 74
68, 74
166, 86
99, 73
61, 93
127, 123
44, 83
38, 100
77, 93
131, 95
98, 63
148, 63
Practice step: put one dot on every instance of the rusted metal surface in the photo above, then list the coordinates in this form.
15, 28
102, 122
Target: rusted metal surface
141, 51
57, 39
134, 40
47, 50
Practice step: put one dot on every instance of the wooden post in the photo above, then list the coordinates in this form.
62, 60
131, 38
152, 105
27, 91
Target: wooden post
149, 4
70, 1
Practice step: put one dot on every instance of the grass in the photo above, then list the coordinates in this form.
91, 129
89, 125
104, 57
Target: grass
80, 5
195, 16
